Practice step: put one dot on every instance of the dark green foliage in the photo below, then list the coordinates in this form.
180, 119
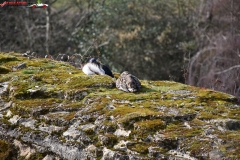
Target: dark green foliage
147, 38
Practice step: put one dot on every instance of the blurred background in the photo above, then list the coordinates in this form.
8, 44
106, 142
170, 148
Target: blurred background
195, 42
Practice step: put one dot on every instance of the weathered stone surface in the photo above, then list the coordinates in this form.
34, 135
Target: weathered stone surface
14, 119
19, 66
3, 88
215, 155
51, 110
25, 151
121, 132
50, 157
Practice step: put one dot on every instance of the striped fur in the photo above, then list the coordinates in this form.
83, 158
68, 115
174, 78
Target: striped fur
128, 82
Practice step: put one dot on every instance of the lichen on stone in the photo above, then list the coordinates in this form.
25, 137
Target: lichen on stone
60, 112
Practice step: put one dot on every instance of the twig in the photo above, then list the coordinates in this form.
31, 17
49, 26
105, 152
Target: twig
88, 50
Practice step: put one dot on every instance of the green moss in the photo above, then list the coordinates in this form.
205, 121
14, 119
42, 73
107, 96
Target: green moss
149, 126
141, 148
179, 130
210, 95
5, 121
7, 58
23, 111
37, 156
192, 132
36, 103
133, 97
28, 71
197, 123
4, 149
207, 116
90, 81
234, 114
4, 70
110, 141
89, 131
63, 140
50, 66
198, 148
62, 91
69, 116
131, 115
163, 86
95, 109
110, 126
144, 128
5, 77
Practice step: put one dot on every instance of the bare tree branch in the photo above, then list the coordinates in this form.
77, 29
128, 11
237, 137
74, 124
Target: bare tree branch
61, 11
229, 69
53, 2
47, 31
193, 61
